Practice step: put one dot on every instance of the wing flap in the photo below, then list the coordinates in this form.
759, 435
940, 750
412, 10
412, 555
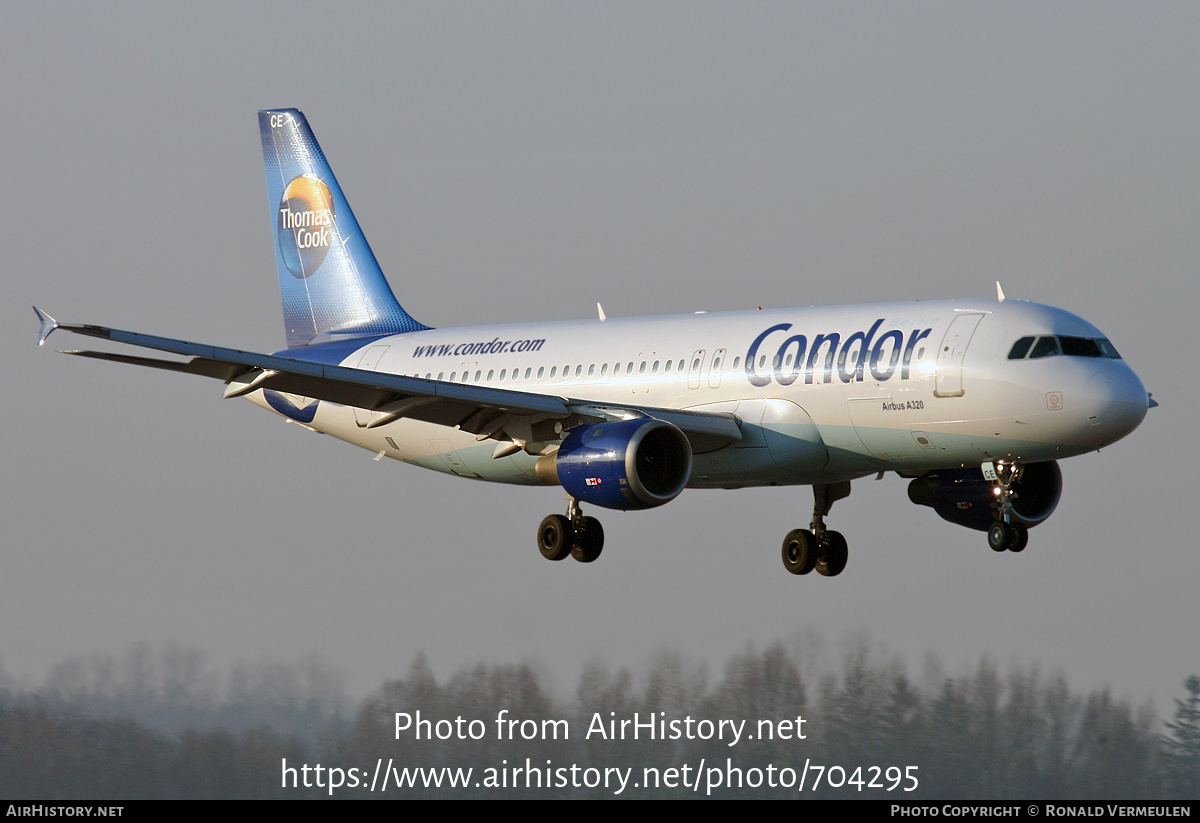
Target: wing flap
197, 365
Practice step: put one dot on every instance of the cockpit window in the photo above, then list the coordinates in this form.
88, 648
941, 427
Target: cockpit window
1070, 346
1045, 347
1080, 347
1020, 348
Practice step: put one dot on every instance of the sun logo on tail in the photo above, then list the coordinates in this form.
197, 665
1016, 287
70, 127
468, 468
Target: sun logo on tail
305, 224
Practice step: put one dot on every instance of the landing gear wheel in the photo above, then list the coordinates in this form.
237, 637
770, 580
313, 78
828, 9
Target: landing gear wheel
999, 536
833, 555
799, 551
554, 537
589, 540
1018, 537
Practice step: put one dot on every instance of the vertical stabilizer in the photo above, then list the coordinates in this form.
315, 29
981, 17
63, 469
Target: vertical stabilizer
331, 285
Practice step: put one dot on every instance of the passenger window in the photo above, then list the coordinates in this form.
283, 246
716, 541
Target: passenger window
642, 369
503, 374
553, 371
655, 368
478, 374
591, 369
453, 375
629, 368
1045, 347
1020, 348
667, 367
528, 371
736, 360
491, 372
541, 371
579, 370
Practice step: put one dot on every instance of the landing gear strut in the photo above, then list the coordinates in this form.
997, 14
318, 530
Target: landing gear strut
1005, 533
816, 547
579, 536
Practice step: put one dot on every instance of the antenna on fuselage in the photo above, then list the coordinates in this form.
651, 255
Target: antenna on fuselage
999, 292
600, 309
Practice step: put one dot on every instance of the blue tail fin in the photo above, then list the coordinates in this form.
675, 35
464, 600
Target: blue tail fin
331, 285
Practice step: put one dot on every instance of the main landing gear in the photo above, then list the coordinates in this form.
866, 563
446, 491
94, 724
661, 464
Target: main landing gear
1005, 534
816, 547
579, 536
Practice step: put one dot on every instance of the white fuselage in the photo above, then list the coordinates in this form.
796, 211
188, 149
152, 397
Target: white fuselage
823, 393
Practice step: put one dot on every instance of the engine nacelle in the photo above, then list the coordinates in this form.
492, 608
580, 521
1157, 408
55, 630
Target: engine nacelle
964, 497
625, 464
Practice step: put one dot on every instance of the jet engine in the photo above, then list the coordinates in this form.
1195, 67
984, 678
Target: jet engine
964, 497
625, 464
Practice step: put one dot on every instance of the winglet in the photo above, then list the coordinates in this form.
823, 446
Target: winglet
49, 324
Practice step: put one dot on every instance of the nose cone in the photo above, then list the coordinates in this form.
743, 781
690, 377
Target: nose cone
1117, 402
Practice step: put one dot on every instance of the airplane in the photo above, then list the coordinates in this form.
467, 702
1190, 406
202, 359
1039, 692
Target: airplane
974, 401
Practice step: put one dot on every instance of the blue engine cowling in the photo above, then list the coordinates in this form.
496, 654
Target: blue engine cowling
625, 464
964, 497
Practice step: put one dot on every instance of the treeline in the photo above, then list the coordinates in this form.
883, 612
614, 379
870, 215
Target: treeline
164, 725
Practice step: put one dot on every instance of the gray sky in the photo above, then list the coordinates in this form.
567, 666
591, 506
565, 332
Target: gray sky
524, 161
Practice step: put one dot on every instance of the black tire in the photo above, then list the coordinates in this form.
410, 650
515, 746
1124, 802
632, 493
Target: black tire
554, 537
1019, 538
589, 542
834, 554
799, 551
999, 536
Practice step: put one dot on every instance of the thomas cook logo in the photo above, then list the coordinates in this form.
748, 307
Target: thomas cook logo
305, 224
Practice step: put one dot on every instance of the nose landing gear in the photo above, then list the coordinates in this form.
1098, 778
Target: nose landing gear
1010, 537
1005, 534
575, 534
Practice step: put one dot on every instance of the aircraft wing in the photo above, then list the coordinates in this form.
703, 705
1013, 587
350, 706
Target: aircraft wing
523, 419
